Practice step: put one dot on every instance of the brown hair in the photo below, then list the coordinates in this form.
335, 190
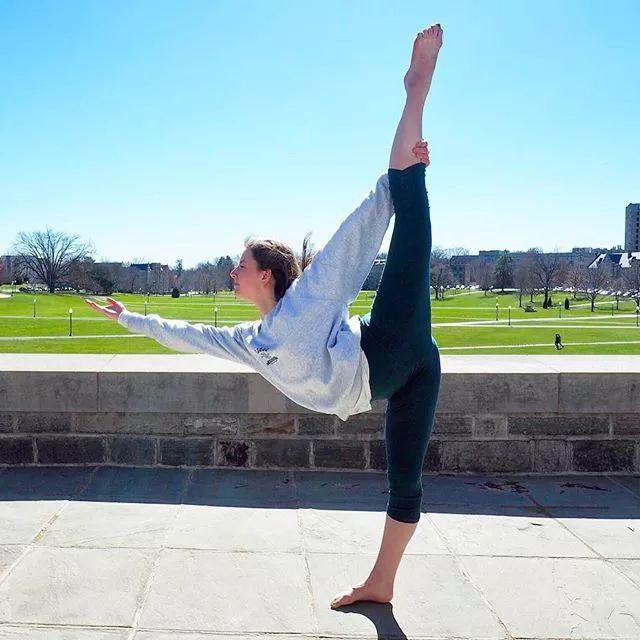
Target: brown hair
280, 259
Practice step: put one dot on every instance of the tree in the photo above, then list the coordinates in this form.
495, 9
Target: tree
483, 275
574, 278
523, 278
503, 271
547, 271
441, 276
50, 255
595, 279
178, 271
224, 267
631, 278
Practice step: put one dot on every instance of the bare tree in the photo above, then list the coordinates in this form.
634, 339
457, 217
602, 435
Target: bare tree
574, 278
50, 255
523, 278
441, 276
631, 278
483, 275
547, 271
594, 280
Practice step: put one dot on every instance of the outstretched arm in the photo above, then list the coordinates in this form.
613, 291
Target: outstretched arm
223, 342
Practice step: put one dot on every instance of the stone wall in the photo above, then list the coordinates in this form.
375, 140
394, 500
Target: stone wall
529, 414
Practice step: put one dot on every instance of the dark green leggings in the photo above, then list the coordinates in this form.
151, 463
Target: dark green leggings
403, 357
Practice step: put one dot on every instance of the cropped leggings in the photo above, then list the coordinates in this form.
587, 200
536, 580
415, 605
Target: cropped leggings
403, 357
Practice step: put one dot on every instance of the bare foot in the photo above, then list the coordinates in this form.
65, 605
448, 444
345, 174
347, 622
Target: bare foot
371, 591
423, 59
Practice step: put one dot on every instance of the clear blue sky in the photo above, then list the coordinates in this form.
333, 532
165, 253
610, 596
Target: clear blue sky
163, 130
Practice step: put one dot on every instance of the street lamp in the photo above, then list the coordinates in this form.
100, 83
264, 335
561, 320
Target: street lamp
145, 307
215, 316
509, 315
496, 310
34, 307
70, 322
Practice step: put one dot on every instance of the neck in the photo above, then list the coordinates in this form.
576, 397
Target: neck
266, 304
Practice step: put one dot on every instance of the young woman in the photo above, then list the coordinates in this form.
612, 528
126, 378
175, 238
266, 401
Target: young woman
307, 346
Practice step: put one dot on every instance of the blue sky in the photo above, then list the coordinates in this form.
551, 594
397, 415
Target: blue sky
162, 130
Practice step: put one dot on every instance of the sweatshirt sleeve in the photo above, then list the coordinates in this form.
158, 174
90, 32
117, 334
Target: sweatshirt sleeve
338, 270
179, 335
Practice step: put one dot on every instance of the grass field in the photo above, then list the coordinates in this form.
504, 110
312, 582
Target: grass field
463, 323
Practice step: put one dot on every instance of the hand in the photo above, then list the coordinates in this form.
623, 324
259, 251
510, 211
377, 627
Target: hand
421, 151
111, 311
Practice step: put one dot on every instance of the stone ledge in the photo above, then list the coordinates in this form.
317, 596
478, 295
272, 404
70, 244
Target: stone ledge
530, 414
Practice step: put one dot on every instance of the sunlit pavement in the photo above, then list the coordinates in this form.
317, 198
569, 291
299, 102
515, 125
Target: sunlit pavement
96, 553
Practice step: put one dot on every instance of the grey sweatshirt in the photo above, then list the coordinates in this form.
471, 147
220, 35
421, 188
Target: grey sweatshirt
306, 346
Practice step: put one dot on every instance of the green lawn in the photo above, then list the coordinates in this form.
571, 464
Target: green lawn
463, 323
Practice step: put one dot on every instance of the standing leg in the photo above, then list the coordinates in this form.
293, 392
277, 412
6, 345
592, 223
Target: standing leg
378, 587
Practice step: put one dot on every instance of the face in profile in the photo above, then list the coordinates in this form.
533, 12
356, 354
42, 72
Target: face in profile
248, 280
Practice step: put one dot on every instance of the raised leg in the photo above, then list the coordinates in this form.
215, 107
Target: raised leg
378, 587
417, 82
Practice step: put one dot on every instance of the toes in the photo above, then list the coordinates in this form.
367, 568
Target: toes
339, 602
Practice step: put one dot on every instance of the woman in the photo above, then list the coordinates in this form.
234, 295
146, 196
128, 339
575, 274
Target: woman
306, 345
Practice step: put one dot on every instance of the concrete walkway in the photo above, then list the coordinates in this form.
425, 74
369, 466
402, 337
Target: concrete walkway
97, 553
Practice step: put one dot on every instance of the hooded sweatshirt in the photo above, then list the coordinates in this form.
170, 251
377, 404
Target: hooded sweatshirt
306, 346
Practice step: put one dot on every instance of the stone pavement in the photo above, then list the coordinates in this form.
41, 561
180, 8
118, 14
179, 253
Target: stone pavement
97, 553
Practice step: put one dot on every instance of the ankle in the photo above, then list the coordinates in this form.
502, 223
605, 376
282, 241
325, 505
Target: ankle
380, 578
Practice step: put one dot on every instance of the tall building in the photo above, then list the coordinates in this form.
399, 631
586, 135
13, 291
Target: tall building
632, 227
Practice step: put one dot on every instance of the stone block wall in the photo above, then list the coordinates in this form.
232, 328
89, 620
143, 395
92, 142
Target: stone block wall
501, 414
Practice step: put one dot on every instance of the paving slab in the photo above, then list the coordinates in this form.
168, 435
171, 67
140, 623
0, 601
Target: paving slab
43, 482
75, 586
330, 530
558, 597
248, 592
151, 484
508, 532
432, 598
611, 533
22, 520
110, 524
9, 632
127, 553
232, 526
576, 491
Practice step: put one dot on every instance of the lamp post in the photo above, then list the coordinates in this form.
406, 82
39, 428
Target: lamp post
12, 287
145, 307
560, 311
34, 307
215, 316
496, 310
637, 313
509, 315
612, 309
70, 322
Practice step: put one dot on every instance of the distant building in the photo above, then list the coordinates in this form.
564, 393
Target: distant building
613, 262
632, 227
464, 267
9, 269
